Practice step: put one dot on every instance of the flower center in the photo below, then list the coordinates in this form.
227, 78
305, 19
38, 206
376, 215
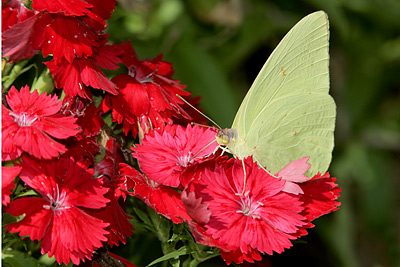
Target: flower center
140, 76
23, 119
184, 160
57, 203
153, 184
248, 206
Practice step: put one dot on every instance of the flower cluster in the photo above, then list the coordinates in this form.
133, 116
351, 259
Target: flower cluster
231, 204
67, 173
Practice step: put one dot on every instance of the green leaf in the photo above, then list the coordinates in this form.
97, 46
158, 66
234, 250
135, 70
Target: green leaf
172, 255
44, 83
144, 217
19, 259
46, 260
28, 193
8, 218
16, 71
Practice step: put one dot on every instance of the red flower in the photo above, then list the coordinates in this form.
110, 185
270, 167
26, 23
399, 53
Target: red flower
13, 12
69, 8
89, 116
238, 256
82, 149
7, 179
59, 218
163, 199
102, 9
247, 214
67, 37
320, 195
148, 91
32, 122
119, 226
163, 157
75, 40
93, 13
78, 49
18, 40
77, 77
106, 258
18, 31
108, 170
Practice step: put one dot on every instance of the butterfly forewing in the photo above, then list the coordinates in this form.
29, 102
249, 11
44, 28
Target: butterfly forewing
287, 113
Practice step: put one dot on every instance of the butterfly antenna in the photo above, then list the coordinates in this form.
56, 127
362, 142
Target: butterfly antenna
198, 111
209, 144
202, 125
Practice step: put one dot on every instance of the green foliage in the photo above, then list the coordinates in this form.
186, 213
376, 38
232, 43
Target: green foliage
218, 47
19, 259
177, 243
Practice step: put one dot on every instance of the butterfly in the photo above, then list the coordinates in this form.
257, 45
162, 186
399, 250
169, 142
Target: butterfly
288, 113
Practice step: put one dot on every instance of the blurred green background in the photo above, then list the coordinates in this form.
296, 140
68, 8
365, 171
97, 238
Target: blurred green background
217, 48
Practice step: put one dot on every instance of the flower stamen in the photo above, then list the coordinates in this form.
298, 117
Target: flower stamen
247, 206
185, 160
57, 203
23, 119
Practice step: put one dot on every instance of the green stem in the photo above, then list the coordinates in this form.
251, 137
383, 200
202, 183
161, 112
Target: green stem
16, 71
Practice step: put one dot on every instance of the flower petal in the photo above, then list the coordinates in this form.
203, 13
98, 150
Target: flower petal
36, 219
17, 40
73, 232
7, 179
69, 8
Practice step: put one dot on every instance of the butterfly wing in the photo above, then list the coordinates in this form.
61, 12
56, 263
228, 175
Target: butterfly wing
288, 112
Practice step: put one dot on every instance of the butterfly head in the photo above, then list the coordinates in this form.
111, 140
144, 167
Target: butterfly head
225, 136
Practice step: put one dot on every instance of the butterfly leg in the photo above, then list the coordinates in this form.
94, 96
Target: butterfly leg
223, 148
245, 177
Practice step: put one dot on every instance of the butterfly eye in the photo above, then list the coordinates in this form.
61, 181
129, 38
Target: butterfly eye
222, 138
225, 136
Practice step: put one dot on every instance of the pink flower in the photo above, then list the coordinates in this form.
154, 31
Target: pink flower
293, 173
164, 156
318, 194
59, 217
247, 214
7, 179
32, 122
